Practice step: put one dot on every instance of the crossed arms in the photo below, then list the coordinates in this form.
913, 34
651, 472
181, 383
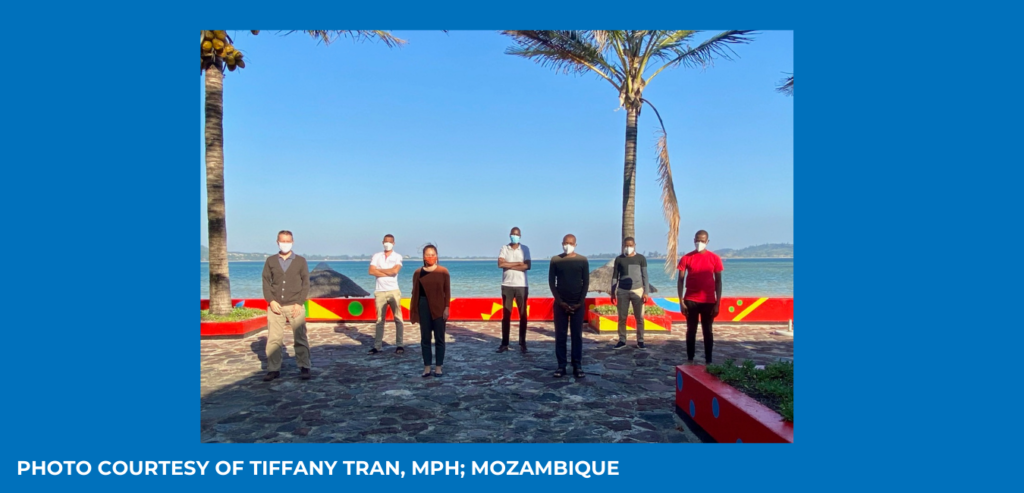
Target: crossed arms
375, 272
520, 266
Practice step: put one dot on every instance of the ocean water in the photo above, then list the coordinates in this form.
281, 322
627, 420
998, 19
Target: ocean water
482, 278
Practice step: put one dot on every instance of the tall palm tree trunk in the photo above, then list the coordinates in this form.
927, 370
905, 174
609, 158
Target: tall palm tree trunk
220, 287
629, 174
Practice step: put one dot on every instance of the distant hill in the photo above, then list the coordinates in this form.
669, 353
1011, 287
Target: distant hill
768, 250
204, 256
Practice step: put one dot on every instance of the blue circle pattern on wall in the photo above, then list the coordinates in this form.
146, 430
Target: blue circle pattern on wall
693, 409
679, 382
714, 406
739, 441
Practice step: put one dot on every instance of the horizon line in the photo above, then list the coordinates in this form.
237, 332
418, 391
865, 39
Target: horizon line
475, 256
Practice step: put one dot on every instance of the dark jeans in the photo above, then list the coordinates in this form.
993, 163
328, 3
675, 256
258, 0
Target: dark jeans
509, 293
564, 323
430, 327
704, 311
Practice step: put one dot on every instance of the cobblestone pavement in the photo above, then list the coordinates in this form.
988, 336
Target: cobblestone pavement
627, 395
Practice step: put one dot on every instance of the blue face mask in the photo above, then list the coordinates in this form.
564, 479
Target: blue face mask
514, 238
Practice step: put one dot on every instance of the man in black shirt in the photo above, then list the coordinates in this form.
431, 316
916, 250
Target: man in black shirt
569, 280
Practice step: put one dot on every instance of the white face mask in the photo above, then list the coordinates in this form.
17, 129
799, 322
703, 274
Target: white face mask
388, 246
285, 247
629, 250
567, 248
700, 245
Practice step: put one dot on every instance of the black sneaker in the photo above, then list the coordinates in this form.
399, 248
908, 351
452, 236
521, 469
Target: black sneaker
374, 351
304, 374
522, 348
640, 345
502, 349
271, 375
620, 345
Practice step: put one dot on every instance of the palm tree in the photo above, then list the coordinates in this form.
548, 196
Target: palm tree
786, 86
629, 60
217, 52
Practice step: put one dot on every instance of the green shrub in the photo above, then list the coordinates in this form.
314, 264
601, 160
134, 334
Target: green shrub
612, 310
237, 315
772, 386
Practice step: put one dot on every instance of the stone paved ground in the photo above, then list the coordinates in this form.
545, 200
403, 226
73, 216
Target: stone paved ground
627, 395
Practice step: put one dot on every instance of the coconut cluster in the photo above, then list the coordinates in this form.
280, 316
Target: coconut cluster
216, 48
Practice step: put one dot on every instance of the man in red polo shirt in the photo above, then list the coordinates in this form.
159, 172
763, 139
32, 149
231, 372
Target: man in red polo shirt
702, 269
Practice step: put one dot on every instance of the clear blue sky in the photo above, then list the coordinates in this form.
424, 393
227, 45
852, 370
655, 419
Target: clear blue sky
449, 140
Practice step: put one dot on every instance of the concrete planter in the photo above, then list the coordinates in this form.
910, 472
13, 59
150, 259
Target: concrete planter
725, 413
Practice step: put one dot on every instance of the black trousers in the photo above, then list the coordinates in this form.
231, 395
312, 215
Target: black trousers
566, 323
508, 294
704, 311
431, 327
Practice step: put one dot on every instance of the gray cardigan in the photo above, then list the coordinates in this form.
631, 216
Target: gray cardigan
286, 288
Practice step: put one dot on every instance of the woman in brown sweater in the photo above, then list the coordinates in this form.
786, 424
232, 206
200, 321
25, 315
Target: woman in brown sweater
431, 296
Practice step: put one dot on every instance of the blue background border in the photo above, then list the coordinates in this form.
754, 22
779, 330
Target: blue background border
904, 129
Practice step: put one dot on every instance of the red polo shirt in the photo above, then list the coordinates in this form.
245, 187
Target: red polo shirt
700, 269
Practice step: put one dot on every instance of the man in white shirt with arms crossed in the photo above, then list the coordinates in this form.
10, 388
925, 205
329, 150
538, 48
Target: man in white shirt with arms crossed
385, 266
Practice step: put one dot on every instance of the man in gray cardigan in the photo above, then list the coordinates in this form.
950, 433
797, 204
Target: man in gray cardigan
285, 287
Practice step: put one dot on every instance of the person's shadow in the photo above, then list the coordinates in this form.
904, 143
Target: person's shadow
354, 334
259, 348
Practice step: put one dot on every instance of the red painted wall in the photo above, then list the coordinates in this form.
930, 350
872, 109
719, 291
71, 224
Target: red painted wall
539, 309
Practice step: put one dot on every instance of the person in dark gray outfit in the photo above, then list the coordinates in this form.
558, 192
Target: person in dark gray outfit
630, 285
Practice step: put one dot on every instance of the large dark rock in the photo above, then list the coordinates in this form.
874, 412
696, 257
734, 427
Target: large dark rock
325, 282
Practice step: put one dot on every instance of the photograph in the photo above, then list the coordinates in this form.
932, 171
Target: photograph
496, 236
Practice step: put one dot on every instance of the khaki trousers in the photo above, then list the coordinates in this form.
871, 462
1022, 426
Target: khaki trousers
384, 299
275, 340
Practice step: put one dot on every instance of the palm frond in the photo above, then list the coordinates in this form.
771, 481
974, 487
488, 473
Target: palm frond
669, 202
569, 52
328, 37
786, 86
601, 38
666, 45
320, 36
704, 54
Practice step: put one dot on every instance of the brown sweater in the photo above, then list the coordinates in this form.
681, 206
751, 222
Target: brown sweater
437, 287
